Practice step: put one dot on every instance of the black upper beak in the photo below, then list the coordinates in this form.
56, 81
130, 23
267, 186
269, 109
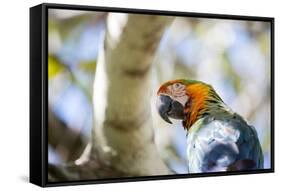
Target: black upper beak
168, 107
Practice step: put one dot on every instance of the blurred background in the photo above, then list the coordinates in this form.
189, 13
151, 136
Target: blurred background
233, 56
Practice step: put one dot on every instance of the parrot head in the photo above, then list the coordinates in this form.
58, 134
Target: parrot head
186, 100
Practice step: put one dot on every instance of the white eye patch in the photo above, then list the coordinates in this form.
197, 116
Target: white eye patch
178, 89
178, 93
182, 99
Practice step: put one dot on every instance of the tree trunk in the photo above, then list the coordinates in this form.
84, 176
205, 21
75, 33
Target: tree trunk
123, 132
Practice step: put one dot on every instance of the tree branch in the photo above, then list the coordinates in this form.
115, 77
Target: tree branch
90, 170
67, 142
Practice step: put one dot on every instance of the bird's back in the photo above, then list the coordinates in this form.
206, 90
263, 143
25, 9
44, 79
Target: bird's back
221, 143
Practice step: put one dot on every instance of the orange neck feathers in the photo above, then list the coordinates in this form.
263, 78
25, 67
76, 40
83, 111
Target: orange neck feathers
198, 94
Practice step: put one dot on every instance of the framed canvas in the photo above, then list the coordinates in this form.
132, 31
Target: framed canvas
122, 95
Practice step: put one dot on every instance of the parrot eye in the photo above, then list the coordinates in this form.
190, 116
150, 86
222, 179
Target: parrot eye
176, 85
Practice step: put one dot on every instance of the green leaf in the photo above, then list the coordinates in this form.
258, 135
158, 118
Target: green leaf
54, 66
88, 66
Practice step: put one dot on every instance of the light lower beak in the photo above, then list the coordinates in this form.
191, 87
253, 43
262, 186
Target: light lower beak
168, 107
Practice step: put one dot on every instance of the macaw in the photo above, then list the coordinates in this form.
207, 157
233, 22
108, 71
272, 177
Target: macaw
218, 139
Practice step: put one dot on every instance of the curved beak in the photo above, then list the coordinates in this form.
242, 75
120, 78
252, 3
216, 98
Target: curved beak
167, 107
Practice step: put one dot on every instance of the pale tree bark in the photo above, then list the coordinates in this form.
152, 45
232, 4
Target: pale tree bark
122, 141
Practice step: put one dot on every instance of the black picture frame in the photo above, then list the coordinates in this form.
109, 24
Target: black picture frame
39, 92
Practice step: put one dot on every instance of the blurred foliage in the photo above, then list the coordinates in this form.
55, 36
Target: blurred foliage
54, 67
233, 56
88, 66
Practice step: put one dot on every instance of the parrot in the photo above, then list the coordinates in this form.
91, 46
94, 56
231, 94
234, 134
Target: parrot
217, 138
